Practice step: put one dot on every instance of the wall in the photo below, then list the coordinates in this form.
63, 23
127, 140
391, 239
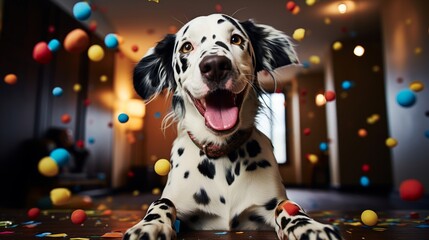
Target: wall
405, 28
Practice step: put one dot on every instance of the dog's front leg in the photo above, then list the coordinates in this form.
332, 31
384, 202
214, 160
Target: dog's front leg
157, 224
292, 223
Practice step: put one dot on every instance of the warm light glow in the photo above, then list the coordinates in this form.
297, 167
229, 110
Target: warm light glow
320, 100
359, 51
135, 124
136, 108
342, 8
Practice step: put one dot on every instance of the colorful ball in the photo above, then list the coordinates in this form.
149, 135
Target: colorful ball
41, 53
111, 41
54, 45
369, 218
364, 181
162, 167
82, 11
391, 142
33, 213
323, 146
362, 132
314, 59
346, 85
48, 167
10, 78
411, 190
134, 48
123, 118
416, 86
76, 41
103, 78
406, 98
290, 6
427, 133
61, 156
365, 167
95, 53
60, 196
65, 118
78, 216
313, 158
298, 34
57, 91
307, 131
91, 140
337, 45
330, 96
77, 87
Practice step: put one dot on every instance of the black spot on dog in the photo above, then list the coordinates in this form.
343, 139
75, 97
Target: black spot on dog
164, 207
207, 168
127, 236
270, 205
169, 216
194, 218
284, 222
329, 231
233, 155
177, 68
222, 199
180, 151
186, 29
246, 162
252, 167
184, 62
137, 231
214, 36
203, 39
186, 175
145, 236
202, 153
162, 236
237, 169
203, 53
233, 22
257, 218
229, 177
220, 21
177, 165
160, 221
234, 222
264, 164
201, 197
253, 148
165, 201
151, 217
242, 153
298, 223
221, 44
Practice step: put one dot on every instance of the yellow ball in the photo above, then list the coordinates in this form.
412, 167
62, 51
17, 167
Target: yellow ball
369, 217
103, 78
156, 191
391, 142
310, 2
162, 167
313, 158
95, 53
77, 87
327, 21
314, 59
60, 196
48, 167
416, 86
337, 45
299, 34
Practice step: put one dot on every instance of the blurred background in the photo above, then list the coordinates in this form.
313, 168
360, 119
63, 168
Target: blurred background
352, 117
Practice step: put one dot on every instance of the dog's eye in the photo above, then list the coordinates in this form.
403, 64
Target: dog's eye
186, 47
236, 39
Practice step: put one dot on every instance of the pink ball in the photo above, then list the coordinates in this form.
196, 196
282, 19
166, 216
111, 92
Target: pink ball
41, 53
78, 216
411, 190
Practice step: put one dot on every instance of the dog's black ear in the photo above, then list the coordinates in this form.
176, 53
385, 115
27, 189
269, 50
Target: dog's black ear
154, 72
272, 47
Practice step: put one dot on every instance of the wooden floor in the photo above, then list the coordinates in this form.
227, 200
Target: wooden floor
393, 225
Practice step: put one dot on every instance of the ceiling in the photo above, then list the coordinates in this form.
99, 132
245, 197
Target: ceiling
144, 22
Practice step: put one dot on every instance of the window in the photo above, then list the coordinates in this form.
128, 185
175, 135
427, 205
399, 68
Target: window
272, 122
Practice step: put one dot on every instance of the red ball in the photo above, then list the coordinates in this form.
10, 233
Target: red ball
291, 208
134, 48
41, 53
80, 144
411, 190
307, 131
33, 213
365, 168
218, 8
290, 6
87, 102
329, 96
78, 216
65, 118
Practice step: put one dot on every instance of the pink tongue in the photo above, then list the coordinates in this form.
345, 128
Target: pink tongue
221, 113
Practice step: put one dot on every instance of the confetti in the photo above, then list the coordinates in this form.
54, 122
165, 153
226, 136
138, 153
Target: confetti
6, 232
44, 234
112, 235
57, 235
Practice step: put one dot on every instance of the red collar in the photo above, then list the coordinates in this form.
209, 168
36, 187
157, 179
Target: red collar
215, 151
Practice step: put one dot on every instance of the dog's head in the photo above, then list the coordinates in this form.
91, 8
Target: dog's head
211, 65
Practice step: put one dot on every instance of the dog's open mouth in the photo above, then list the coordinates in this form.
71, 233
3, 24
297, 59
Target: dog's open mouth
220, 109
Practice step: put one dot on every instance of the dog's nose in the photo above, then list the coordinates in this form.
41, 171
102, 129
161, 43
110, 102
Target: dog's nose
215, 68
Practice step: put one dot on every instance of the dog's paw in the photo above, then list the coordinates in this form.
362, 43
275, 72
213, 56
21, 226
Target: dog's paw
150, 231
302, 227
293, 224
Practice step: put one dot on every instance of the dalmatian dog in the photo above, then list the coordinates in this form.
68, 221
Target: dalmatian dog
223, 175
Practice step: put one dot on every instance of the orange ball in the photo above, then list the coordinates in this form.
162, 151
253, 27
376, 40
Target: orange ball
78, 216
65, 118
76, 41
10, 79
362, 132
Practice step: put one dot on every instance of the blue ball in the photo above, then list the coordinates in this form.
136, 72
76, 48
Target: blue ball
406, 98
427, 133
123, 118
111, 41
81, 11
323, 146
54, 45
364, 181
57, 91
157, 115
61, 156
91, 140
346, 85
305, 64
